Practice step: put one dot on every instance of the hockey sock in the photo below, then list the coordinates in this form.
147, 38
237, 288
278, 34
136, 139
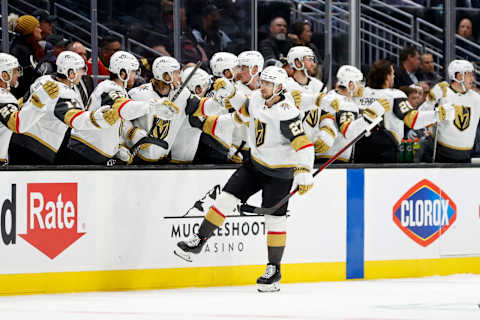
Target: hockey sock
213, 219
215, 216
276, 245
276, 237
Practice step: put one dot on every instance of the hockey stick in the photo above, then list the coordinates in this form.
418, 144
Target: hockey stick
271, 211
435, 142
136, 147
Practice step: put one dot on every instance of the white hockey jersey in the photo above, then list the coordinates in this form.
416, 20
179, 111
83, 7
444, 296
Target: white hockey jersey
346, 112
276, 137
166, 130
45, 136
101, 145
7, 100
398, 111
455, 138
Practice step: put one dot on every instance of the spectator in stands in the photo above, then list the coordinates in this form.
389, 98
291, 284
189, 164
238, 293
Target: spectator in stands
85, 85
46, 22
427, 70
277, 44
79, 48
210, 37
27, 50
55, 45
108, 46
415, 95
465, 31
405, 74
302, 36
192, 51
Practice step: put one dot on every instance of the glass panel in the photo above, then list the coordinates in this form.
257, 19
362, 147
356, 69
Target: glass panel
307, 28
340, 35
210, 28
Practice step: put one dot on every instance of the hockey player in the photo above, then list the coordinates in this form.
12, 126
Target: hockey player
281, 155
382, 145
40, 143
349, 123
318, 125
456, 137
100, 146
250, 66
12, 118
187, 141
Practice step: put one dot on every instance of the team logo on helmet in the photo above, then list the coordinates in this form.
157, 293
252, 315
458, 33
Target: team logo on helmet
424, 213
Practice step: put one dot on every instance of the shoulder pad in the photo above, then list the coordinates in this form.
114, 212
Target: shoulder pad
143, 93
443, 86
291, 84
7, 97
286, 108
317, 84
107, 86
185, 94
396, 93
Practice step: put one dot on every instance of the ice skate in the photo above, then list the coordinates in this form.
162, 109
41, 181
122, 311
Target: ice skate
270, 280
186, 248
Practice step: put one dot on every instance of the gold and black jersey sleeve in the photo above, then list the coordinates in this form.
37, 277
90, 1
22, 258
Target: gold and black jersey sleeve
66, 110
112, 97
9, 116
343, 119
292, 129
404, 111
194, 105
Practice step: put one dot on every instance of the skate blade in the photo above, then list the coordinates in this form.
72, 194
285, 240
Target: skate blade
183, 255
274, 287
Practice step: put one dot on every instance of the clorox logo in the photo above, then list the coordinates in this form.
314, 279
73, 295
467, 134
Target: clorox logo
424, 213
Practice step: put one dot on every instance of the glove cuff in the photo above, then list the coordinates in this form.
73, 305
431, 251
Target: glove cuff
298, 170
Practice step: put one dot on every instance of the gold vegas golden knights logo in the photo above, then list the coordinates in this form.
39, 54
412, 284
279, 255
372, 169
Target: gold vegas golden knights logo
312, 118
162, 129
260, 128
462, 117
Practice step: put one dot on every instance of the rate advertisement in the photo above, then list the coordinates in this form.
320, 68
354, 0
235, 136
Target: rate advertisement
113, 220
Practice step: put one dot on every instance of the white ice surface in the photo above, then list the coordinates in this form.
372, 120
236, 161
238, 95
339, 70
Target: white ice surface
433, 298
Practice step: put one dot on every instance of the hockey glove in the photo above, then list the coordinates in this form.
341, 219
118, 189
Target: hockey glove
163, 108
321, 146
48, 92
104, 117
223, 89
376, 109
445, 113
234, 155
303, 179
124, 154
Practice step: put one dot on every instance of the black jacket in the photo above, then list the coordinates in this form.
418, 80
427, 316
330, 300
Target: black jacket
272, 48
25, 54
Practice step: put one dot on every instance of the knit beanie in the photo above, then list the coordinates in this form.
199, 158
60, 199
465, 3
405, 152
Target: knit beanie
26, 25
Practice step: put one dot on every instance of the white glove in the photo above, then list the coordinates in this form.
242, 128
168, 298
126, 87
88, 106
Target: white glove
223, 89
163, 108
45, 94
104, 117
303, 179
124, 154
375, 110
237, 158
445, 113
